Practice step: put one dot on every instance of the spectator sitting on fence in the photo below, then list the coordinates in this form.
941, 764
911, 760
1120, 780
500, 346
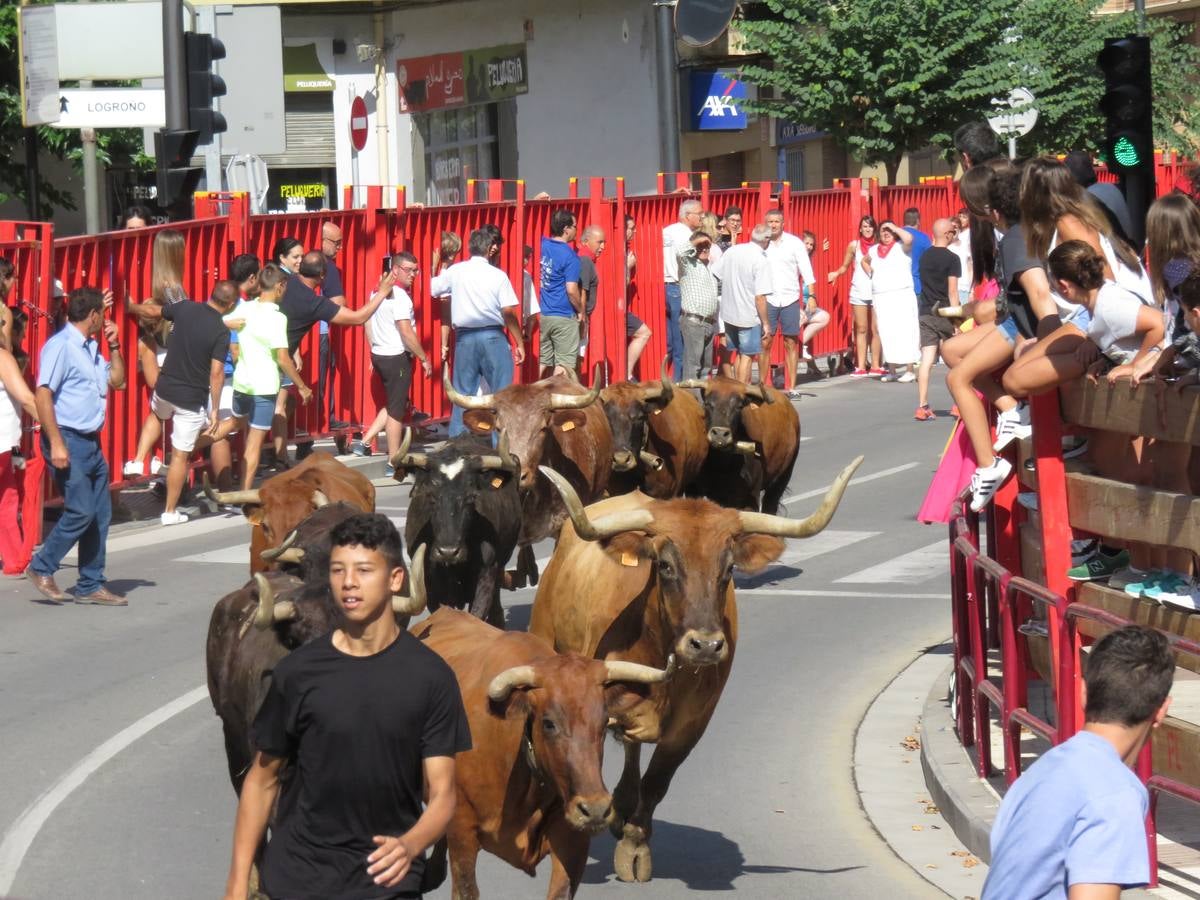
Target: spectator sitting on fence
813, 319
1109, 196
1172, 243
166, 286
1074, 823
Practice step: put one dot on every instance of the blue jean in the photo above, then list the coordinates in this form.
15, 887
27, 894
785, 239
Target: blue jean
87, 512
674, 335
479, 353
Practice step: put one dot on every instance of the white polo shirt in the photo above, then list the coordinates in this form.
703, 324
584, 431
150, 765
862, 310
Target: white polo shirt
674, 237
381, 327
789, 263
744, 273
478, 291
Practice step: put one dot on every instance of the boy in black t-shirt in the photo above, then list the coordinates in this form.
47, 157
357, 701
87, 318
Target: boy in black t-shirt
940, 272
370, 719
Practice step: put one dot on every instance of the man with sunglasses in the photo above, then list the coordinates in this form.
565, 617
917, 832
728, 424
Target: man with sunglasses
331, 287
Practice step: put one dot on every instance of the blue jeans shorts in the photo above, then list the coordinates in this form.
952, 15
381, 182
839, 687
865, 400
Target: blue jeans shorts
744, 339
785, 318
259, 410
1008, 328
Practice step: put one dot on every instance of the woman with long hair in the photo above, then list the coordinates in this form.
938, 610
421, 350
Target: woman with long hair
443, 258
1172, 244
861, 303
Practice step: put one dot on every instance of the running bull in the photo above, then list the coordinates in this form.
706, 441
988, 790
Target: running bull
532, 786
616, 589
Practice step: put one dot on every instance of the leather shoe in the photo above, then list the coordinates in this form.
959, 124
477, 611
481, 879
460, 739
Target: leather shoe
102, 597
51, 592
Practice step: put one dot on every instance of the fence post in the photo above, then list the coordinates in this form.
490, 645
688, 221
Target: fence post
703, 190
573, 188
622, 356
401, 198
516, 270
238, 222
595, 199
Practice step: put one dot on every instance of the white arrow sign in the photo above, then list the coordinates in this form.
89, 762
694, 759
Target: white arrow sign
111, 108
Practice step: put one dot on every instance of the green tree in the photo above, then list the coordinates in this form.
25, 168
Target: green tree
114, 146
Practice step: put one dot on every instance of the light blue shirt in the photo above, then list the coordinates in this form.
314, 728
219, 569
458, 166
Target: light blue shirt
1075, 817
72, 367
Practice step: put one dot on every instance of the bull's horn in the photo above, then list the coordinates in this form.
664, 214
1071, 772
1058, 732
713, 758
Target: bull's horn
761, 523
272, 554
759, 393
509, 680
664, 390
487, 401
636, 673
269, 612
605, 526
577, 401
231, 497
291, 555
694, 384
402, 459
319, 499
654, 462
414, 603
502, 460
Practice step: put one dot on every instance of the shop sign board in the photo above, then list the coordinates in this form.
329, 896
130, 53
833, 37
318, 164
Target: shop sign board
449, 80
717, 101
496, 73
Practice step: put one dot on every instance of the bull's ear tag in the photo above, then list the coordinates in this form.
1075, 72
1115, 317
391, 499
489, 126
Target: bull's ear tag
629, 559
754, 406
496, 482
568, 425
486, 426
658, 412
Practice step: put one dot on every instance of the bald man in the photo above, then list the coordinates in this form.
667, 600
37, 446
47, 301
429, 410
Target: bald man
941, 269
591, 245
331, 288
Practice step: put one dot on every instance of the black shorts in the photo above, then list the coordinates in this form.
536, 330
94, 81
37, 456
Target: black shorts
396, 373
632, 324
935, 329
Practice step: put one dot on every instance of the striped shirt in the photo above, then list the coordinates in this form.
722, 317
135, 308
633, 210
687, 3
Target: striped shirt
697, 285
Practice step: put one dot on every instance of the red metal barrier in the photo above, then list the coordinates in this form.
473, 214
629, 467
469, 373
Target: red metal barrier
934, 199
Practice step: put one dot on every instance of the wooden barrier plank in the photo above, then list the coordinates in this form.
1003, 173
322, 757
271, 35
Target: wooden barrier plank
1176, 751
1144, 612
1115, 509
1032, 565
1149, 411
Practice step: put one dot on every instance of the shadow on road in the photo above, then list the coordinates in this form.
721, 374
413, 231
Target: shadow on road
516, 614
769, 576
128, 585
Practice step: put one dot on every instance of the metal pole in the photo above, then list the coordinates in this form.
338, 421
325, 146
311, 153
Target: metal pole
382, 129
1140, 10
34, 184
668, 93
174, 66
91, 173
1012, 145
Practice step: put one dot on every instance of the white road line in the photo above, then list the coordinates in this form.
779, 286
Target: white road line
238, 554
862, 479
24, 829
865, 595
908, 568
828, 541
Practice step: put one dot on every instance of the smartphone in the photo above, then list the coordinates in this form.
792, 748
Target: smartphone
387, 265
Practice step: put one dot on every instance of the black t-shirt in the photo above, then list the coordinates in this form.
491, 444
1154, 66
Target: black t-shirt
937, 265
1011, 261
588, 281
197, 338
331, 286
303, 308
357, 730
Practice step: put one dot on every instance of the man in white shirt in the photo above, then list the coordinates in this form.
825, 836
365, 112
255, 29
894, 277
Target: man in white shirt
394, 343
745, 276
482, 304
790, 271
675, 238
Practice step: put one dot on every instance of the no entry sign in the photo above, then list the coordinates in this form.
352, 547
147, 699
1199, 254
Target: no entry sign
358, 123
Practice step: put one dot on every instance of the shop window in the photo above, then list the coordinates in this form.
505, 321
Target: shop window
460, 144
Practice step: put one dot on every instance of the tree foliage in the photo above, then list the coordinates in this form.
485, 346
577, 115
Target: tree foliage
886, 78
114, 146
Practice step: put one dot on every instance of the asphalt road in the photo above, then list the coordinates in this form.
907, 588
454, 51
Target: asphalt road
113, 781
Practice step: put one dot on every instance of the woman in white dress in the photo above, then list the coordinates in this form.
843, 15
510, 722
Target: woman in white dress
895, 301
866, 330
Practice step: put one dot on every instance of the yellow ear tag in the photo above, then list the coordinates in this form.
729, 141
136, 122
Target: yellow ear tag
486, 426
496, 482
568, 426
629, 559
658, 412
754, 406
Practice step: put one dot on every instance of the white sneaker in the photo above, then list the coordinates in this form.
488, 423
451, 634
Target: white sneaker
986, 481
1012, 425
135, 468
155, 465
173, 518
907, 378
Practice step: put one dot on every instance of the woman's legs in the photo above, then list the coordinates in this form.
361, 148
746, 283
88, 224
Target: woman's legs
973, 371
862, 319
955, 348
255, 437
1047, 364
279, 425
876, 341
150, 435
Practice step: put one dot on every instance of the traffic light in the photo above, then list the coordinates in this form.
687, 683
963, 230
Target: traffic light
200, 52
1128, 107
177, 180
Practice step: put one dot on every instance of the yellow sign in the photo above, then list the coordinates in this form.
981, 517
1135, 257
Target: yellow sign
306, 191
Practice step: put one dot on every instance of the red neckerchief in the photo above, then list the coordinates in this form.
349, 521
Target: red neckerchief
864, 246
882, 249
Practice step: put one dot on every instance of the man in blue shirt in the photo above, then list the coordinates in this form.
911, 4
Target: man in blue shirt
1073, 826
560, 299
920, 243
71, 397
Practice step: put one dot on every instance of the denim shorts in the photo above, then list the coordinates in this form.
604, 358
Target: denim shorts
785, 318
744, 339
1008, 328
259, 410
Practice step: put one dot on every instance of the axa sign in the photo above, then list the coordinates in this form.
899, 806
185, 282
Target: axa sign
717, 101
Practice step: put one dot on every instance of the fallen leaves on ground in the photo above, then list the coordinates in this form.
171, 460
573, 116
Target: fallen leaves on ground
911, 743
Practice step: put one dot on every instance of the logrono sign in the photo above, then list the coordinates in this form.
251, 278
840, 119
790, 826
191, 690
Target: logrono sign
111, 108
717, 101
449, 80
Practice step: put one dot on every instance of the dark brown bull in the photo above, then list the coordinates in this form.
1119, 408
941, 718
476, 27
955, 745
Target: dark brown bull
754, 436
284, 500
532, 786
641, 592
659, 440
554, 422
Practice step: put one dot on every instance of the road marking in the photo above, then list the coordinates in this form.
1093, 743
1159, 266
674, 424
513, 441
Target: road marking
139, 539
865, 595
828, 541
863, 479
238, 554
24, 829
908, 568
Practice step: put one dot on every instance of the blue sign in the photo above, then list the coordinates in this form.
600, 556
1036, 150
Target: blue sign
717, 102
793, 133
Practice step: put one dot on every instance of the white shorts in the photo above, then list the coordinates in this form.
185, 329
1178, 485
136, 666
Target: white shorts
225, 410
186, 424
861, 301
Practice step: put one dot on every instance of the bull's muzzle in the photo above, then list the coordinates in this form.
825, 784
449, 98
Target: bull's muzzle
720, 437
449, 555
590, 814
623, 461
702, 648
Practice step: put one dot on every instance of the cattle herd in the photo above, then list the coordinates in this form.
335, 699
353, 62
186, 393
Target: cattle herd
655, 493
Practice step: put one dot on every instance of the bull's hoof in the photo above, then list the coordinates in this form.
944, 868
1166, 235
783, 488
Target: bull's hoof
632, 861
514, 580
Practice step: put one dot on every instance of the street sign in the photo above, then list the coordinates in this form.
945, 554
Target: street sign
1016, 114
358, 123
700, 22
111, 41
37, 40
111, 108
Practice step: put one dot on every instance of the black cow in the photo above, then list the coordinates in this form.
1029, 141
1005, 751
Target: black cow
466, 508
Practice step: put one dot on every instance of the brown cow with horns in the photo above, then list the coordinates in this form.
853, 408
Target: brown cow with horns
618, 590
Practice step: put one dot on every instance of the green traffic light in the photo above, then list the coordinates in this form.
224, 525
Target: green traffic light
1125, 154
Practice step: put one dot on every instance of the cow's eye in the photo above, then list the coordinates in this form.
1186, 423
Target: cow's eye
665, 569
548, 726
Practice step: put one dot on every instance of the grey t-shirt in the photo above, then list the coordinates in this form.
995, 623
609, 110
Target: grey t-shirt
588, 281
1011, 261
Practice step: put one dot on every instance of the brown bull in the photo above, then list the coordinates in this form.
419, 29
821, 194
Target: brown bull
532, 786
659, 440
284, 500
754, 436
554, 422
617, 589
